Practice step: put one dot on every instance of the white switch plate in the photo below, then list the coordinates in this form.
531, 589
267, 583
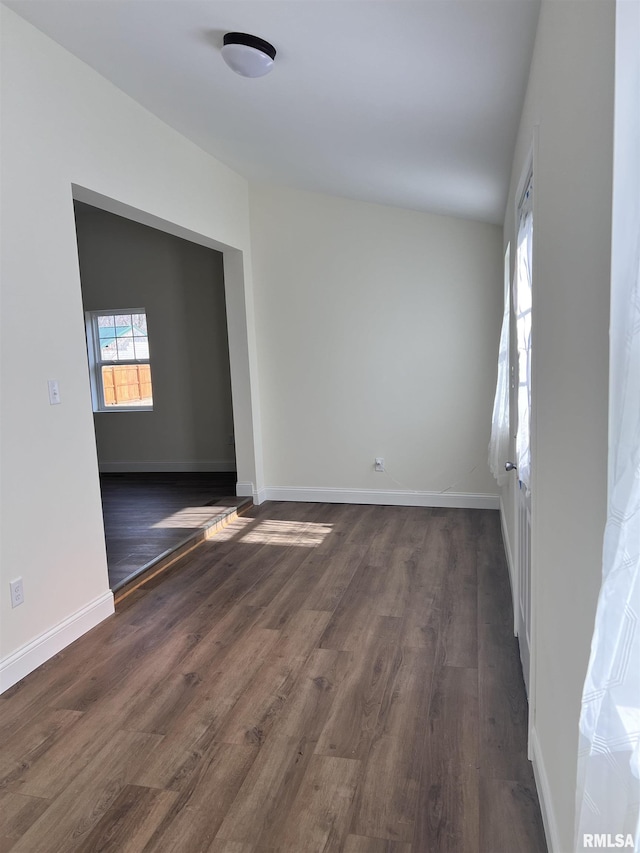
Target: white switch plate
378, 464
54, 392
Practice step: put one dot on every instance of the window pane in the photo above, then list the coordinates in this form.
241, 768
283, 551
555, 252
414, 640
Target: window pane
127, 385
125, 345
108, 347
141, 346
139, 323
107, 337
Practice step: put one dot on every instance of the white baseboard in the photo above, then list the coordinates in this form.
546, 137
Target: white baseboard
544, 795
383, 498
167, 467
23, 661
244, 490
248, 490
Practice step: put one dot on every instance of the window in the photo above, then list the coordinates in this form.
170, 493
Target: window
523, 304
500, 438
118, 346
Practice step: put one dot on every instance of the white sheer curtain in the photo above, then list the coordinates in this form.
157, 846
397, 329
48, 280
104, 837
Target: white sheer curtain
608, 784
609, 752
499, 442
523, 306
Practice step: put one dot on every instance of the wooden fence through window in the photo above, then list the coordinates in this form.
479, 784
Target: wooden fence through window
126, 383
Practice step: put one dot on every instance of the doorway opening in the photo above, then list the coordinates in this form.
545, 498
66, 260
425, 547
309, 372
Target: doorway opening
159, 364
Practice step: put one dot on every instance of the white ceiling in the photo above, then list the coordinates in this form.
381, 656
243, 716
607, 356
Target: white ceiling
414, 104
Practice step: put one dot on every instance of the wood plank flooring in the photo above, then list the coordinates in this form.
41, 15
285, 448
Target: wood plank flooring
147, 516
316, 678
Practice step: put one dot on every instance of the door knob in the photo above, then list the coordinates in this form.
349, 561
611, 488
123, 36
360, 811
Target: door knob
509, 466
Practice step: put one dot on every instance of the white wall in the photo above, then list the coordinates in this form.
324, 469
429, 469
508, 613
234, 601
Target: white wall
63, 124
570, 97
181, 286
377, 335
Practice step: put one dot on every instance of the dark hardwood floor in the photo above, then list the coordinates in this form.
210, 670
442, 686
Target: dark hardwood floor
315, 678
146, 516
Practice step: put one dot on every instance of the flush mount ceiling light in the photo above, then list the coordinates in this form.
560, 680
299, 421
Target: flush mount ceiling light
248, 55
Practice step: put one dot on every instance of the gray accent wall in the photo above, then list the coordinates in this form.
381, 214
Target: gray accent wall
124, 264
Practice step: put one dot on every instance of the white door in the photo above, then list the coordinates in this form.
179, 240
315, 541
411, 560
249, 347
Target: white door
523, 618
521, 406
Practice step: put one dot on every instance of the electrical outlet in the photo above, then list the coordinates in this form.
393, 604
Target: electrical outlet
378, 464
17, 592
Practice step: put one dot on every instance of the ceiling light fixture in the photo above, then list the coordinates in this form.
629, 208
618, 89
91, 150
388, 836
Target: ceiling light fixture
247, 55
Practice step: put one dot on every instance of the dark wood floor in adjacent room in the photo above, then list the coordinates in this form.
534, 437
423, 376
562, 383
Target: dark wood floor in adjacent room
315, 678
147, 516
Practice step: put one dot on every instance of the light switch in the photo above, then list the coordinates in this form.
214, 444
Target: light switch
54, 392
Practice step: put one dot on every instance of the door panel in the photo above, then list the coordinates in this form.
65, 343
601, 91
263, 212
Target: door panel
523, 502
521, 404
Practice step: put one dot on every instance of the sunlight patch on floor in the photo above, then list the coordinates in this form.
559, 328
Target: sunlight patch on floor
303, 534
233, 529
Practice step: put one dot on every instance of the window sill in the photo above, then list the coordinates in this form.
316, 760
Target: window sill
119, 409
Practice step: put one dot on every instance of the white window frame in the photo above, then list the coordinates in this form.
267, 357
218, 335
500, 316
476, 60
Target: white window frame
96, 362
